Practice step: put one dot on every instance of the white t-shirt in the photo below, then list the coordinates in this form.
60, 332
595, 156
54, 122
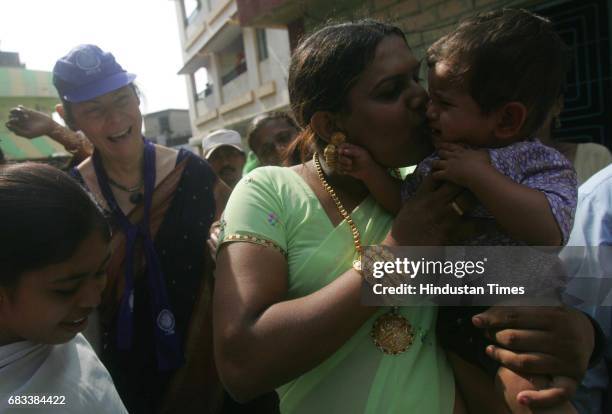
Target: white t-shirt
69, 373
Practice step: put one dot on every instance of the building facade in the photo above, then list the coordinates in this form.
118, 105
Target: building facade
170, 127
232, 73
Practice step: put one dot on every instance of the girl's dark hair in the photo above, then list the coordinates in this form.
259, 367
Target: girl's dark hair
260, 120
69, 116
325, 66
45, 215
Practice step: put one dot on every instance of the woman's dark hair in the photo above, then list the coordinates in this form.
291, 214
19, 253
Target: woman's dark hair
45, 215
325, 66
69, 116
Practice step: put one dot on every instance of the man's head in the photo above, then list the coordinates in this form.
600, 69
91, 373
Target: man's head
500, 58
224, 152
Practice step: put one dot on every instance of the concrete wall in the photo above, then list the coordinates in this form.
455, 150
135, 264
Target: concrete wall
276, 66
179, 127
178, 120
424, 21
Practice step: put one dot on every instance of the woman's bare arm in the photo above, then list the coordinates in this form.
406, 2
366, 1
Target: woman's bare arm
29, 123
262, 339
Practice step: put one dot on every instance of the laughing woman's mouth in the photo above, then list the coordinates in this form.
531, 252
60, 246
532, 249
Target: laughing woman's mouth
120, 135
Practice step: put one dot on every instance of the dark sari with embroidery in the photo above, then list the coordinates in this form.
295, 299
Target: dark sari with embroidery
182, 212
183, 208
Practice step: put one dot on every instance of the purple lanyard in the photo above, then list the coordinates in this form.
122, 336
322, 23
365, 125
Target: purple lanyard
169, 354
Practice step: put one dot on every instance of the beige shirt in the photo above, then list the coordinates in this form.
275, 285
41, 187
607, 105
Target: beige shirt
590, 158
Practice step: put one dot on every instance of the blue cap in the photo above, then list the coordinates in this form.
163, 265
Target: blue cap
87, 72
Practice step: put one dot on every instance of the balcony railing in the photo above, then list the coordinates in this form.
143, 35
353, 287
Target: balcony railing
205, 93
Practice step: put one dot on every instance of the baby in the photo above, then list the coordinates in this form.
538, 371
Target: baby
492, 81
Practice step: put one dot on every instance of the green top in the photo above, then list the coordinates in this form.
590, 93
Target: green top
274, 206
251, 163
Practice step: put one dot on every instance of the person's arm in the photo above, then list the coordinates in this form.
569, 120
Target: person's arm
556, 341
357, 162
524, 213
28, 123
261, 339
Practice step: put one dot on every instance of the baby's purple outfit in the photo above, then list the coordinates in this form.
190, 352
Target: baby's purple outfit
529, 163
536, 166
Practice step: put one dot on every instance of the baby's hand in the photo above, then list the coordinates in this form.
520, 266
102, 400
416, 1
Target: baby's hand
354, 161
460, 165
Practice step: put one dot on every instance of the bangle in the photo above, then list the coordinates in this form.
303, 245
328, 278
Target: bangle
371, 255
74, 142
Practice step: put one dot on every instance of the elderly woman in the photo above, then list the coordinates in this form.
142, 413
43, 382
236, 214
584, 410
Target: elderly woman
287, 311
155, 338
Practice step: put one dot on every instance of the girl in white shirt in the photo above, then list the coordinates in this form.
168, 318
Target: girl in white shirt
54, 246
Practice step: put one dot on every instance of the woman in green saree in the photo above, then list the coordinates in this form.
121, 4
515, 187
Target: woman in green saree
287, 311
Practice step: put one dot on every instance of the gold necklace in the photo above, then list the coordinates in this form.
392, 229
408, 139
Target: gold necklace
345, 215
391, 332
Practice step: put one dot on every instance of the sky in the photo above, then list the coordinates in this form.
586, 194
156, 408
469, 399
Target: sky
143, 36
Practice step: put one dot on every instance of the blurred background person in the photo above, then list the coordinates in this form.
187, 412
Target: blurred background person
587, 158
224, 152
268, 136
588, 260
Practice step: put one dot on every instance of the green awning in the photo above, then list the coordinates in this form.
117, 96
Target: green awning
16, 148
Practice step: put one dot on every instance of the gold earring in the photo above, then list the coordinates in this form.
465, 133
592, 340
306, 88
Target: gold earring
330, 153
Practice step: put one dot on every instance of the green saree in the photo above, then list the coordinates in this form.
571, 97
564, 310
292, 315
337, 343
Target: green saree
275, 207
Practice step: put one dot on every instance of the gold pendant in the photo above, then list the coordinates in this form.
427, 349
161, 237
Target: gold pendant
392, 333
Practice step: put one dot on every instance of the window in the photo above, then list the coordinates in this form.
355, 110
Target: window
262, 44
164, 124
192, 7
203, 87
232, 60
238, 69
